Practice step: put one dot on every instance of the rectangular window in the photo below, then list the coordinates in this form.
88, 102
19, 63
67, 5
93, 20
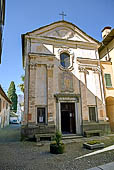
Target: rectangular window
40, 115
6, 106
0, 105
108, 80
92, 114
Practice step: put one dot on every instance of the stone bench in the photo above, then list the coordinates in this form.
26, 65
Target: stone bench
44, 136
89, 133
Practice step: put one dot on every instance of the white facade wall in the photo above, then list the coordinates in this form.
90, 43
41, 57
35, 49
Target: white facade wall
92, 79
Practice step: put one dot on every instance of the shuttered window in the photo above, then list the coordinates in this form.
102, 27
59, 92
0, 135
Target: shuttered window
108, 80
92, 114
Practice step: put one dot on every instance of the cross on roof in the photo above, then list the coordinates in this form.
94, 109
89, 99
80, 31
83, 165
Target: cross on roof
63, 15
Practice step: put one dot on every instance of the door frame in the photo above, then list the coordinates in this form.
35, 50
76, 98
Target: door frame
69, 98
59, 121
69, 102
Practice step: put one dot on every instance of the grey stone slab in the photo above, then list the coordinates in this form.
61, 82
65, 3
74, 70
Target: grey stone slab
95, 168
109, 166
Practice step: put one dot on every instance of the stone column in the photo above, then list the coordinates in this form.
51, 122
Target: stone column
26, 82
50, 94
59, 117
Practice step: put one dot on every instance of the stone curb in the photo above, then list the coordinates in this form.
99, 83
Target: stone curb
109, 166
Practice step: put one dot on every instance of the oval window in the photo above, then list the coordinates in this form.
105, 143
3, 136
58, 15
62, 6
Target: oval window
65, 60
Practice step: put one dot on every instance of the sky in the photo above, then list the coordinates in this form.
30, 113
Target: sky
26, 15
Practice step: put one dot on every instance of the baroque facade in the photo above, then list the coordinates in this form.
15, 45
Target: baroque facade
106, 53
63, 83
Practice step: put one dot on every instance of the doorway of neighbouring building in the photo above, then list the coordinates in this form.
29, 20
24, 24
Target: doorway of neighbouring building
68, 123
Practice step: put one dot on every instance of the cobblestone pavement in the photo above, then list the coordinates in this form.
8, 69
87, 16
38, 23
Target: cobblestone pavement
16, 155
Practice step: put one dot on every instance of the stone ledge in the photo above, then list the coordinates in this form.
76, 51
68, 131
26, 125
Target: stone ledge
39, 136
95, 146
89, 133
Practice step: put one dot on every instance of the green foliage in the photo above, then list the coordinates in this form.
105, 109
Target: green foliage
21, 86
58, 137
57, 149
57, 146
12, 96
93, 142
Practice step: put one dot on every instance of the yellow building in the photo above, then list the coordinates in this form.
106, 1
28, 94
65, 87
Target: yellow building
106, 52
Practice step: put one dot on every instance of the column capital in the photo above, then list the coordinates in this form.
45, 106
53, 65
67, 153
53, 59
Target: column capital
50, 66
83, 69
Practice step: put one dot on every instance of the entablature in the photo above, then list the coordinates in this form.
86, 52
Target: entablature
54, 41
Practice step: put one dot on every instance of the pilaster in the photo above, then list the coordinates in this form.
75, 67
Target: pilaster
31, 115
50, 96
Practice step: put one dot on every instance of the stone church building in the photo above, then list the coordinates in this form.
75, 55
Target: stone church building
63, 83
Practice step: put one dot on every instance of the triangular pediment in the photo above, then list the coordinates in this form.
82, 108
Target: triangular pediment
63, 30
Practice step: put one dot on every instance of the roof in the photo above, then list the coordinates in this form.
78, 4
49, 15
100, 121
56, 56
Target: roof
4, 95
108, 27
57, 22
107, 40
63, 21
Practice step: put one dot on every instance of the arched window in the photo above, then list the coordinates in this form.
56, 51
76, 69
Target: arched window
65, 60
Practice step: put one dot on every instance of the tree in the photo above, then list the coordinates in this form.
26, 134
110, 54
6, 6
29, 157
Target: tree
12, 96
21, 86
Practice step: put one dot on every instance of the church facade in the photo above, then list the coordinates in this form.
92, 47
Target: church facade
63, 83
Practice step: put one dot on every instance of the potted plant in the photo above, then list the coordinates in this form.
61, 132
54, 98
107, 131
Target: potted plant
57, 146
94, 144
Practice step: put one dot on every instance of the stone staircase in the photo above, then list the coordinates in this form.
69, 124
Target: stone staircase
70, 136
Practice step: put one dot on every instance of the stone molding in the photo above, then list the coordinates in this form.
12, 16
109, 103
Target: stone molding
84, 68
67, 50
67, 97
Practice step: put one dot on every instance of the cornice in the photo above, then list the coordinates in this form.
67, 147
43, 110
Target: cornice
52, 40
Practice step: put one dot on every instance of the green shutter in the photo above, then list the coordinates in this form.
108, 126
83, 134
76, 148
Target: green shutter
108, 80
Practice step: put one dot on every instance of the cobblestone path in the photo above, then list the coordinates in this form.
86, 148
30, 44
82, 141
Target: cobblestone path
16, 155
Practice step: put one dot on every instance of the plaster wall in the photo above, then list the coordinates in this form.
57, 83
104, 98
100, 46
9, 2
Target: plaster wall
4, 114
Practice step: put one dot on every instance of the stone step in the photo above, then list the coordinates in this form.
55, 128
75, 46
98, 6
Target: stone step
71, 136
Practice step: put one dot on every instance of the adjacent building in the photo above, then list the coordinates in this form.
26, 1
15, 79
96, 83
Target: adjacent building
63, 82
106, 52
4, 108
2, 19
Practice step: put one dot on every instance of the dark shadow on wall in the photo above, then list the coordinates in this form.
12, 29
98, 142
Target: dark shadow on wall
110, 111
